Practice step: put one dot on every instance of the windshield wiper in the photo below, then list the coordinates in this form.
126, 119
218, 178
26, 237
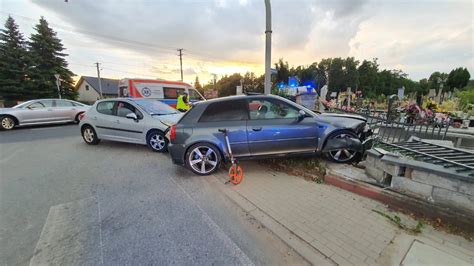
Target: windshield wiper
163, 114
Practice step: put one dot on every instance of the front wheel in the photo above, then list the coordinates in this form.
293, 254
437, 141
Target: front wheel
203, 158
7, 123
89, 135
157, 141
343, 155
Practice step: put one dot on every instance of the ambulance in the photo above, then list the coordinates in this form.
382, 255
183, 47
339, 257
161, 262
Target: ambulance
162, 90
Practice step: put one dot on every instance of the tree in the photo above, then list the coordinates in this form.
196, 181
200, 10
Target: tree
198, 86
368, 77
336, 75
227, 84
46, 51
437, 79
283, 71
13, 62
351, 75
458, 78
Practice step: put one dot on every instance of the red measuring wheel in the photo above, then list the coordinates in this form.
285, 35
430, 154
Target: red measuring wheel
236, 174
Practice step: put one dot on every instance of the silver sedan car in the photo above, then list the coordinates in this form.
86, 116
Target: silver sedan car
41, 111
141, 121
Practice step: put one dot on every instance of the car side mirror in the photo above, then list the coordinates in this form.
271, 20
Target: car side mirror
132, 116
301, 115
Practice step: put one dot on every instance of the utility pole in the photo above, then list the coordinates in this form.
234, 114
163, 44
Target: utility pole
180, 50
215, 78
98, 77
268, 47
57, 85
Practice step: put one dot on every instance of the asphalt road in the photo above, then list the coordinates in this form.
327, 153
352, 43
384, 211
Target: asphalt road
65, 202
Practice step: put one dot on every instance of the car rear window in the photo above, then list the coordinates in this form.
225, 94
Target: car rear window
105, 108
226, 111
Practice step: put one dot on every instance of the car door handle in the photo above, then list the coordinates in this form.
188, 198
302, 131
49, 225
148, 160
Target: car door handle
256, 128
94, 118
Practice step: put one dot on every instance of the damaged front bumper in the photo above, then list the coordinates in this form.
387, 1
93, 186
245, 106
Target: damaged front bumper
352, 144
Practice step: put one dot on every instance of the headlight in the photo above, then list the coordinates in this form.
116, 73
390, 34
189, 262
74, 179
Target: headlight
366, 128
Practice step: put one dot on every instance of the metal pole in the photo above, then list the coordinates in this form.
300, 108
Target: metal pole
98, 77
268, 47
57, 85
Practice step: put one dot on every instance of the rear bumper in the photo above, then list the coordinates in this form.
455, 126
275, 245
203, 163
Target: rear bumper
177, 153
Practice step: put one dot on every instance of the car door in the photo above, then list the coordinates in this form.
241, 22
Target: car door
64, 110
103, 119
37, 112
127, 129
274, 127
231, 115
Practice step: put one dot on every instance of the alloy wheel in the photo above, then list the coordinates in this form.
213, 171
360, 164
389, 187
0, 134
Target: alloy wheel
342, 155
157, 142
203, 159
88, 135
8, 123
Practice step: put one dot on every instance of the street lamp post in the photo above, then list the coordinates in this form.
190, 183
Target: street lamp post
57, 85
268, 47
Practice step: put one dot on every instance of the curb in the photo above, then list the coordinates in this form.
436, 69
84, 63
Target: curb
403, 203
300, 246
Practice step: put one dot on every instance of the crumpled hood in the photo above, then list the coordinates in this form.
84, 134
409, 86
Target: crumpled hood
169, 120
354, 122
352, 116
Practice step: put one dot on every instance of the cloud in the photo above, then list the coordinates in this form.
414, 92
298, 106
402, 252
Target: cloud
228, 35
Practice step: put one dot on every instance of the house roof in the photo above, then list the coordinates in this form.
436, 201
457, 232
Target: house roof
109, 86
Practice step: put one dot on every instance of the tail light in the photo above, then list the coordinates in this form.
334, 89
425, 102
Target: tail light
82, 116
173, 133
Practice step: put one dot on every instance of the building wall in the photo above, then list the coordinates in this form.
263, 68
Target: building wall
87, 95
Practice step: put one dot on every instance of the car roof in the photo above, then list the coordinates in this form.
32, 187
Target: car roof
238, 97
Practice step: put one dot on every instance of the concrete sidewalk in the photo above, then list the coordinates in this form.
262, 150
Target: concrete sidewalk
339, 226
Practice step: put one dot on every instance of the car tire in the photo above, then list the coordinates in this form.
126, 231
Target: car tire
89, 135
7, 122
343, 155
203, 154
157, 141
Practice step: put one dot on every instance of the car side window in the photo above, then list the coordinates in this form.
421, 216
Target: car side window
194, 95
36, 105
62, 103
271, 109
106, 108
47, 103
225, 111
124, 108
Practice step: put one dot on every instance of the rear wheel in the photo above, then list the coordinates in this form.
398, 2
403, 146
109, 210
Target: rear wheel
203, 158
7, 122
157, 141
89, 135
343, 155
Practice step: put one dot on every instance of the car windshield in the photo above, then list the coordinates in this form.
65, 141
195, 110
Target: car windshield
22, 105
155, 107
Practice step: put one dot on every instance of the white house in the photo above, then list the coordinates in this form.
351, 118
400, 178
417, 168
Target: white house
88, 88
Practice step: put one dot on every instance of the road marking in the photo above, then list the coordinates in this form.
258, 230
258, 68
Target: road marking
70, 235
229, 243
11, 155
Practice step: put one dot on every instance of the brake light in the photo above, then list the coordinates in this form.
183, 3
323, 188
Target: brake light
173, 133
82, 116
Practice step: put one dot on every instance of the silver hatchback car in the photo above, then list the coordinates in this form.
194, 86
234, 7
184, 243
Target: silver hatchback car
41, 111
141, 121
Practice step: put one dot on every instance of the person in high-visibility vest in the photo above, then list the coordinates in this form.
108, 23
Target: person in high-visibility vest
183, 103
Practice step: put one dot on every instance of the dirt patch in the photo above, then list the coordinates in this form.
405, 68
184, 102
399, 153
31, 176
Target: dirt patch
311, 169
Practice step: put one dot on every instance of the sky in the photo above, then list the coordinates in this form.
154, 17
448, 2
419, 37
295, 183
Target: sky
140, 38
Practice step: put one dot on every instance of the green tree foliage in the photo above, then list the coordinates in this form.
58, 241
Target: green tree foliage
368, 78
46, 51
13, 62
283, 71
437, 79
227, 85
458, 78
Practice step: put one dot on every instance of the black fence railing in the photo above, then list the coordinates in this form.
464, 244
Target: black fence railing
394, 127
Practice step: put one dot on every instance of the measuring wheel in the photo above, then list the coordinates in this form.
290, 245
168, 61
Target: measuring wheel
236, 174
